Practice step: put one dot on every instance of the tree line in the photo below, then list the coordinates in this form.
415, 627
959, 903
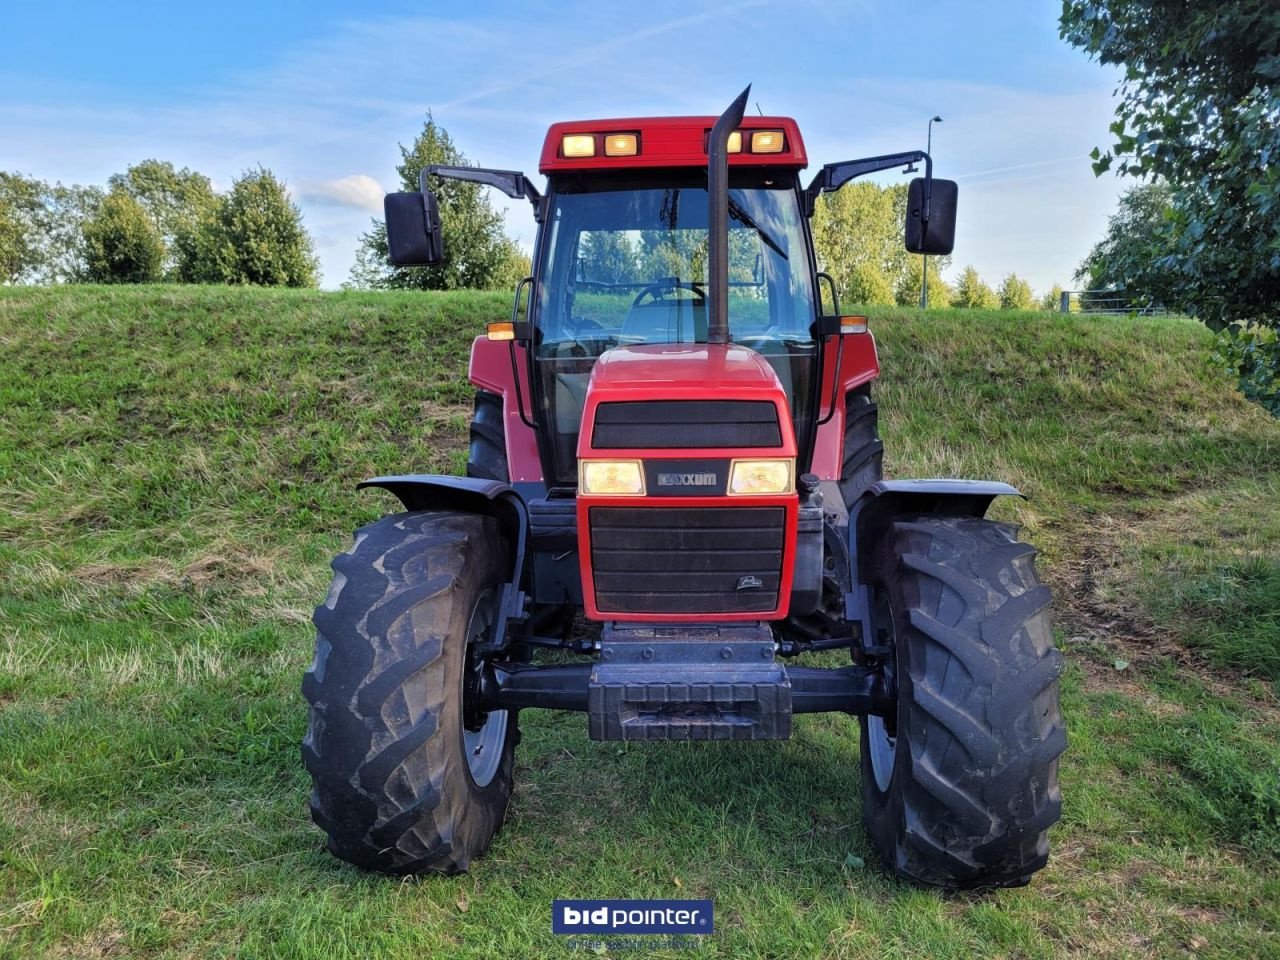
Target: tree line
154, 223
857, 234
157, 223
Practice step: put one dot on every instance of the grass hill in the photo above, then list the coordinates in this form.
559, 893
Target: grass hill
177, 466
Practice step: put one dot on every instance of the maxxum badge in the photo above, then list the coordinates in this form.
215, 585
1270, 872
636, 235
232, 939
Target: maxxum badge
688, 480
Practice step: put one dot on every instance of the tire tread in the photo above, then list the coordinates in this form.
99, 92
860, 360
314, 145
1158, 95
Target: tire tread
487, 450
381, 776
975, 786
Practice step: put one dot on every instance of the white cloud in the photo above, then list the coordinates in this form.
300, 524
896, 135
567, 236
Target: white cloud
359, 191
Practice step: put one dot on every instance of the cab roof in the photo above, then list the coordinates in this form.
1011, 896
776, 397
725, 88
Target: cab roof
667, 142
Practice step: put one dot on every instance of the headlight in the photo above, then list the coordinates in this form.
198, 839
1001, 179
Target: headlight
611, 478
749, 478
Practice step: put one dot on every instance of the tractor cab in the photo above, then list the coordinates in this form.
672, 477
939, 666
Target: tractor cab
623, 259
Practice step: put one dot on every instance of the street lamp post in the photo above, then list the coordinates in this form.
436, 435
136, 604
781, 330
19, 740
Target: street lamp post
924, 272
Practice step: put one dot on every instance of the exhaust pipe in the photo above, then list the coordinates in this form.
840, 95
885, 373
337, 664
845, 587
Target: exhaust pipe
718, 219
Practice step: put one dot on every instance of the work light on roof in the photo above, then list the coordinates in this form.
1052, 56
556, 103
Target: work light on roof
759, 141
578, 145
766, 141
621, 145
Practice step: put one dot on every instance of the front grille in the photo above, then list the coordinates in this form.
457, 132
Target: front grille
687, 559
686, 424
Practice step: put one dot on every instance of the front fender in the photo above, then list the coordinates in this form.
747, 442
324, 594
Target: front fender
886, 499
426, 491
963, 497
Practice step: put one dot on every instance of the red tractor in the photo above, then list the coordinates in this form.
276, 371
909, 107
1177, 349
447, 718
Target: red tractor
677, 440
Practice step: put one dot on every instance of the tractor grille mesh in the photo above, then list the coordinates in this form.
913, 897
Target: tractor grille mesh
686, 424
687, 559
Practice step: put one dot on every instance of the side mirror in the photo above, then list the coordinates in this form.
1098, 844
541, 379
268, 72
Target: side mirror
413, 229
938, 235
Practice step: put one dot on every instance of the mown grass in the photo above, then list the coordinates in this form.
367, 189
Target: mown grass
177, 466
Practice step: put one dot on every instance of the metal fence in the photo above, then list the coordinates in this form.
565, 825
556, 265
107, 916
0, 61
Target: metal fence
1112, 303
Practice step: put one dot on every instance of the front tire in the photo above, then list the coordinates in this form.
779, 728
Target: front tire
960, 785
400, 785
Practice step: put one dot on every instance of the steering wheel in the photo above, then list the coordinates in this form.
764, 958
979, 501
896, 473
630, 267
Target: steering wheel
589, 338
657, 289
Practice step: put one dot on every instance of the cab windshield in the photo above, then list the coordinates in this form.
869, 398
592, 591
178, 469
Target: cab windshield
625, 262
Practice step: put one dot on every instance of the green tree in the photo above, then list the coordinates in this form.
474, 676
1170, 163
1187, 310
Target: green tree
1015, 294
1138, 234
866, 283
907, 291
254, 235
66, 209
1199, 106
175, 200
20, 206
857, 234
1052, 300
122, 244
608, 256
678, 253
973, 294
42, 229
478, 254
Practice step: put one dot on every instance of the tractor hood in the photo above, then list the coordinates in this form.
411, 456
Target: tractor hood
707, 368
663, 377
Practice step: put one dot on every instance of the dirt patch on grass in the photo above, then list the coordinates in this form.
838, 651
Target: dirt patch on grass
236, 567
222, 567
37, 824
1096, 609
127, 574
107, 941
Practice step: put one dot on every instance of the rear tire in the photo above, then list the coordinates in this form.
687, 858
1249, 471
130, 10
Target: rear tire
861, 465
487, 452
961, 786
400, 786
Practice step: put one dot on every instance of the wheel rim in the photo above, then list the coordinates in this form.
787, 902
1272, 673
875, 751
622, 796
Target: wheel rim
883, 749
882, 741
483, 747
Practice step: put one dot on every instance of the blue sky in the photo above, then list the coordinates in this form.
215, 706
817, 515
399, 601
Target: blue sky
322, 93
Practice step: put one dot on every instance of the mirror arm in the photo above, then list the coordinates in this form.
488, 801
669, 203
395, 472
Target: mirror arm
511, 182
835, 383
835, 297
516, 325
835, 175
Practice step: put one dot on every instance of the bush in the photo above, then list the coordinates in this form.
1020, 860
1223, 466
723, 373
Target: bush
1053, 299
866, 283
122, 244
1015, 294
973, 294
253, 235
906, 292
